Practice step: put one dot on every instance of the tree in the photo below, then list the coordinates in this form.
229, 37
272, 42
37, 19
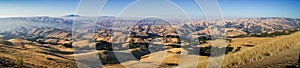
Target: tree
202, 39
22, 44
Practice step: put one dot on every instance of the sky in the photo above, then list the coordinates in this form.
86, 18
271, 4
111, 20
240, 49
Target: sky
229, 8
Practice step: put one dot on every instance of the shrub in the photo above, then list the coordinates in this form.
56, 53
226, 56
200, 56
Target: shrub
19, 61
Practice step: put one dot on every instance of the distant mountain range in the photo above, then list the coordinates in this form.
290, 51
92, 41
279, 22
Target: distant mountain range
72, 15
243, 25
234, 27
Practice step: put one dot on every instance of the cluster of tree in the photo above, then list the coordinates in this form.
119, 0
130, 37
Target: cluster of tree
138, 45
206, 51
276, 33
266, 34
103, 45
203, 39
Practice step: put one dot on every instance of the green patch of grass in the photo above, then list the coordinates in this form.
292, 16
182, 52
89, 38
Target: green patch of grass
19, 61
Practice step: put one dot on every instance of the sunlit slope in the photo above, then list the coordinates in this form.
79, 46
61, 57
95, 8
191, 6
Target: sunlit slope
272, 48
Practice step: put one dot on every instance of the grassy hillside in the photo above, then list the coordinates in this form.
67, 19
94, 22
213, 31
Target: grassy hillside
281, 49
271, 48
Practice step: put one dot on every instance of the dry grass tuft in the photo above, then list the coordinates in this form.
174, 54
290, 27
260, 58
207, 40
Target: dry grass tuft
19, 61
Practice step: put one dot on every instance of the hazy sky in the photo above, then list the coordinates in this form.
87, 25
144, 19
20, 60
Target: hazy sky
229, 8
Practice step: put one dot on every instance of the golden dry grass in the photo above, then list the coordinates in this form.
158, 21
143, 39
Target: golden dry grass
265, 49
255, 41
36, 56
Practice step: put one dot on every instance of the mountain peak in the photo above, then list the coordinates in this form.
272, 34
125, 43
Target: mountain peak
72, 15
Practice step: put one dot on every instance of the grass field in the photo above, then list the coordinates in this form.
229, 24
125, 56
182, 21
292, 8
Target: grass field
254, 52
263, 49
